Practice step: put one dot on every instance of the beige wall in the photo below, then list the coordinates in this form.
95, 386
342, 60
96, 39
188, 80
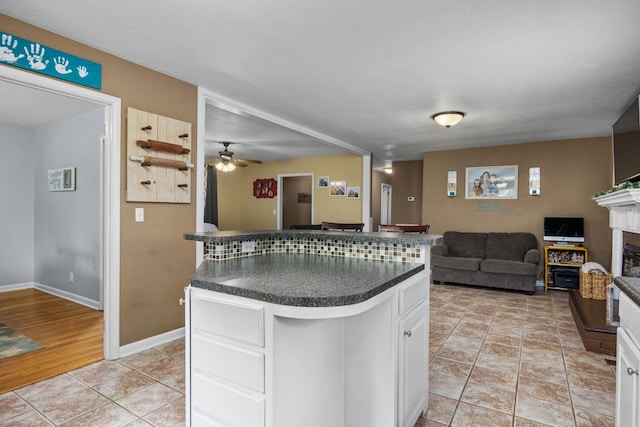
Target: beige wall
156, 263
239, 210
571, 171
407, 182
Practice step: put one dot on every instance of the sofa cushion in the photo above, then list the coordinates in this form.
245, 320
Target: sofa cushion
456, 263
466, 245
510, 246
501, 266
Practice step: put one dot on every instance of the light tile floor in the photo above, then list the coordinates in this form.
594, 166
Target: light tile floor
502, 358
496, 359
144, 389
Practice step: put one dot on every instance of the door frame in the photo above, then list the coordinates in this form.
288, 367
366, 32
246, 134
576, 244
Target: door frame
279, 197
385, 201
109, 192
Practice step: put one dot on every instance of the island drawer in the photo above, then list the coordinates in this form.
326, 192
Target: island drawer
412, 292
230, 406
236, 364
239, 322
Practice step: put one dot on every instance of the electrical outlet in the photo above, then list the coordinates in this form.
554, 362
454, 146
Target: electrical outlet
71, 276
248, 247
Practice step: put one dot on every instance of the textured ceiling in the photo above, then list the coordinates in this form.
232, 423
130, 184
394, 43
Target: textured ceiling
371, 73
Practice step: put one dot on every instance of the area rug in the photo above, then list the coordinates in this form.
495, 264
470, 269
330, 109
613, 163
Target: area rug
13, 343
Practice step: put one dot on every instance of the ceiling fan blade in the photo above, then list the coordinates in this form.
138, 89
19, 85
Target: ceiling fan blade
248, 161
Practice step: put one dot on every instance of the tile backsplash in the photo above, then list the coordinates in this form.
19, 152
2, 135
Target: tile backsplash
381, 251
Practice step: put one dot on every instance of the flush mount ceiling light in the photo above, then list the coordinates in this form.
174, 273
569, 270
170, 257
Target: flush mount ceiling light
448, 118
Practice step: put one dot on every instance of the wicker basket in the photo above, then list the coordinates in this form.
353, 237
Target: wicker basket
594, 284
586, 285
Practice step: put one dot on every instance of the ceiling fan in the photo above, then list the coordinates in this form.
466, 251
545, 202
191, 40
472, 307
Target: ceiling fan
226, 162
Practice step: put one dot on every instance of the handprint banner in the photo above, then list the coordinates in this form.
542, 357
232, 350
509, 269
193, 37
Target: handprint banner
42, 59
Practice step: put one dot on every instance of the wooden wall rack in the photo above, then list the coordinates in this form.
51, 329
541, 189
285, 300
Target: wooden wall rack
166, 174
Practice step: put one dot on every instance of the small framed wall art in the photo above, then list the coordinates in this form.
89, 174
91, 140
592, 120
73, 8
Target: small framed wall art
265, 188
353, 192
323, 182
63, 179
338, 188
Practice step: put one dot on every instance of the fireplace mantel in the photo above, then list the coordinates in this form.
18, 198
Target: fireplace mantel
624, 215
619, 198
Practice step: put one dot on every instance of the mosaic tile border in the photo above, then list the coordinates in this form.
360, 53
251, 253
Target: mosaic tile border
313, 246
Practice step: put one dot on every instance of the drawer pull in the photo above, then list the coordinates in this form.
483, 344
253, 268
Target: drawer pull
407, 334
632, 372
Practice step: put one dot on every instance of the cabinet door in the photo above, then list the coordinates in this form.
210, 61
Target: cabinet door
413, 366
627, 383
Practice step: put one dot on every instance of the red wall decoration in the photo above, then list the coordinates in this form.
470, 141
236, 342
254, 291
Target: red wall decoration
265, 188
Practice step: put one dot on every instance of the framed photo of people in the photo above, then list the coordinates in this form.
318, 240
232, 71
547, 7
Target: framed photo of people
500, 182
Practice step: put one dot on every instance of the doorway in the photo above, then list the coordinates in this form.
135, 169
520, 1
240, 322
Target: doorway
385, 204
295, 200
109, 188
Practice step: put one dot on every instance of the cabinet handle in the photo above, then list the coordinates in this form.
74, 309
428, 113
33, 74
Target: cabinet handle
407, 334
632, 372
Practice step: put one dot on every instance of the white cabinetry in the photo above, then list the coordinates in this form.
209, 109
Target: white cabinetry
413, 380
628, 365
227, 380
251, 363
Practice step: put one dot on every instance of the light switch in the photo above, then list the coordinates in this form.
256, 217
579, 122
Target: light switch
139, 214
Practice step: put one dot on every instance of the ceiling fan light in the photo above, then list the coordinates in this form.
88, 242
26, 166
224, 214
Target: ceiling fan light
225, 167
448, 118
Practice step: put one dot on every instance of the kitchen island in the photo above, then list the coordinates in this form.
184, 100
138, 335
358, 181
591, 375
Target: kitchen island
289, 328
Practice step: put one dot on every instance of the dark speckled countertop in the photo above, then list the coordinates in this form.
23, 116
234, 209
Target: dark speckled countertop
303, 280
630, 286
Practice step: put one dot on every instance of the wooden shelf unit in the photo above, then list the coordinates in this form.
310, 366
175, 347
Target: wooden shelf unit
562, 256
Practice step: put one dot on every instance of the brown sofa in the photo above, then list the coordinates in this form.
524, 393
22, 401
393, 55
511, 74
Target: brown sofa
498, 260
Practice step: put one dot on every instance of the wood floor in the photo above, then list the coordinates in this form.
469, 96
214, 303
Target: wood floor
72, 336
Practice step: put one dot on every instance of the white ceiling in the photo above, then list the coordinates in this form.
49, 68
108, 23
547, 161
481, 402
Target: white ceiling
370, 73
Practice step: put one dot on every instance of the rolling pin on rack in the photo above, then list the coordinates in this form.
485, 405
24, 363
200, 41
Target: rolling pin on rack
163, 146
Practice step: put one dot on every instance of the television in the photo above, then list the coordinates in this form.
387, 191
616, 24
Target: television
564, 230
626, 145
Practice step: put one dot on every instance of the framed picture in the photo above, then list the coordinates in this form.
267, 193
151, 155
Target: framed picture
353, 192
63, 179
499, 182
323, 182
338, 188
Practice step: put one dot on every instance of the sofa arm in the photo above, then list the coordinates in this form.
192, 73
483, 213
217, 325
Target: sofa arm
532, 256
440, 249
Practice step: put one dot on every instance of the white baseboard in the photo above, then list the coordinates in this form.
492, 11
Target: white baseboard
68, 296
17, 287
147, 343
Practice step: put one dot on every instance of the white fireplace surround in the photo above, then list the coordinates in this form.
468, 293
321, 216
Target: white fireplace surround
624, 215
